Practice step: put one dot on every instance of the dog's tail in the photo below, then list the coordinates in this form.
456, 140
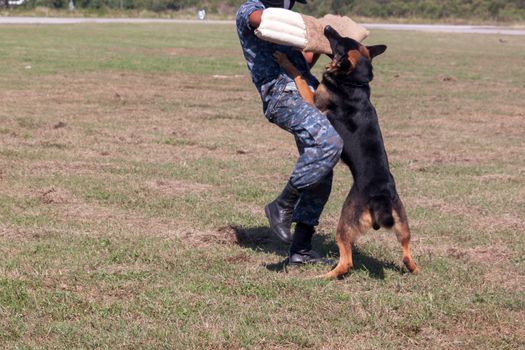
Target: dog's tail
381, 209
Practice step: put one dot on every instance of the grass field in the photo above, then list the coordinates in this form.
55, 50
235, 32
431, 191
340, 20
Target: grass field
135, 162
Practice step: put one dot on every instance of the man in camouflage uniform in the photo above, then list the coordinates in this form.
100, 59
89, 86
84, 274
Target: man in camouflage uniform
319, 145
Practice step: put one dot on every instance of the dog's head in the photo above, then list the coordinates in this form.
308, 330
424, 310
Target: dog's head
350, 59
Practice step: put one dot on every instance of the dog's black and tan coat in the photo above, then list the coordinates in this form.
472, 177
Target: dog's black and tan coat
344, 95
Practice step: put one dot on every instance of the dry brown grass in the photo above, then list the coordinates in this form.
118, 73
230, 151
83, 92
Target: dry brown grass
132, 195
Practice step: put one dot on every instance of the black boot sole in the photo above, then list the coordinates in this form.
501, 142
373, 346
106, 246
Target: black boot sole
322, 261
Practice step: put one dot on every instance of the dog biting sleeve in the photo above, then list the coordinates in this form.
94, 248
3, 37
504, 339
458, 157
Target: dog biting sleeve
346, 27
290, 28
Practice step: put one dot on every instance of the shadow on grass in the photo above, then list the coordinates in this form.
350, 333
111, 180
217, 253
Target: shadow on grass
261, 239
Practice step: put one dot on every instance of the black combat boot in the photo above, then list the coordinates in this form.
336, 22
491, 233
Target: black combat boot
280, 211
301, 249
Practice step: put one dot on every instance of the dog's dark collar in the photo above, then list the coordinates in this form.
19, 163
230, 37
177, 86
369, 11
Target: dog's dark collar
351, 83
331, 81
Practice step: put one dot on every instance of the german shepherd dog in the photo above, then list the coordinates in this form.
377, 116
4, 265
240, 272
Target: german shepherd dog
344, 96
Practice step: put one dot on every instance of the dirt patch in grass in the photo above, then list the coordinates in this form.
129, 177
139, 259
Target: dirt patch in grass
496, 261
500, 178
226, 235
177, 187
238, 259
57, 196
79, 167
476, 329
256, 239
481, 218
484, 255
13, 231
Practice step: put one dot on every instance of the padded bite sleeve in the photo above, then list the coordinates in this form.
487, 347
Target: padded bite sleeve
290, 28
283, 27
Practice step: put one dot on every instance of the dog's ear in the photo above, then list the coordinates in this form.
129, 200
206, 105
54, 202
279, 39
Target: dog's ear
376, 50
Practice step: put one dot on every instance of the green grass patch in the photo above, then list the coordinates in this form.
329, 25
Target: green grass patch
133, 181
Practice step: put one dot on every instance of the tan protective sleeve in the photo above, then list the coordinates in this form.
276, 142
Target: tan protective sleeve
317, 42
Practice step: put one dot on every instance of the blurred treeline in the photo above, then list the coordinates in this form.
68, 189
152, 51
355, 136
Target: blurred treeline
499, 10
505, 10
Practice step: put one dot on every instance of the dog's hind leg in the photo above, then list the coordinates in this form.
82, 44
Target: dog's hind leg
344, 243
354, 220
402, 232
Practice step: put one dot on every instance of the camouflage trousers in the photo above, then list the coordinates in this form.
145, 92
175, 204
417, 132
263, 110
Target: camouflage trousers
319, 147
